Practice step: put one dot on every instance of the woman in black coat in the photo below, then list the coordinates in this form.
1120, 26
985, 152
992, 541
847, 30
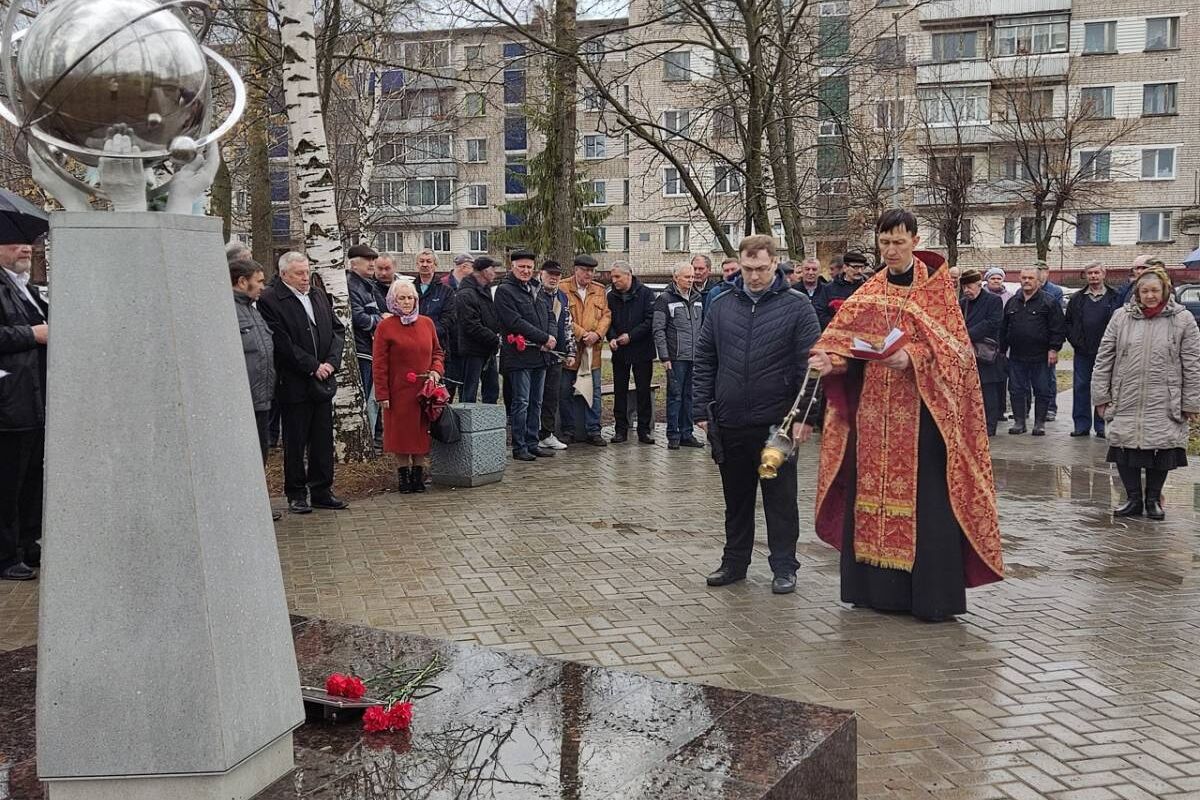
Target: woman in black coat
984, 312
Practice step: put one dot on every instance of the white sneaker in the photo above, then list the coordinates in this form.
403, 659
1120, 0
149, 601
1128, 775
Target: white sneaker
552, 443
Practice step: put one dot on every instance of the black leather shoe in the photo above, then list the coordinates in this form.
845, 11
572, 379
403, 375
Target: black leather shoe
1154, 509
418, 480
521, 455
1039, 429
618, 438
1100, 435
542, 452
17, 572
1079, 433
299, 507
784, 584
1131, 508
597, 440
332, 502
404, 480
645, 438
691, 443
725, 576
1017, 429
672, 445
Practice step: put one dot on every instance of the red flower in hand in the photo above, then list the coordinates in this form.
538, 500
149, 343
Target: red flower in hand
520, 344
335, 684
836, 303
411, 377
375, 720
510, 338
400, 716
354, 688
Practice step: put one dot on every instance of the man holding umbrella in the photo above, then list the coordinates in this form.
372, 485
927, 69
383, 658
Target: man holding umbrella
23, 336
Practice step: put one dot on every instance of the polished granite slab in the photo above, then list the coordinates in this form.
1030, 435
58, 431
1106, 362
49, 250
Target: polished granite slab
509, 726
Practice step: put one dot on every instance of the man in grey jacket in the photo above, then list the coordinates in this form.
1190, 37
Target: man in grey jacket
258, 347
678, 312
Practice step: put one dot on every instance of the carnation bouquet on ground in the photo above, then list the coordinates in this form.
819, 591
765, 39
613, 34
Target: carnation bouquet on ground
385, 700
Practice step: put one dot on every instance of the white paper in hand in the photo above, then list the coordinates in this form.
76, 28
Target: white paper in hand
893, 336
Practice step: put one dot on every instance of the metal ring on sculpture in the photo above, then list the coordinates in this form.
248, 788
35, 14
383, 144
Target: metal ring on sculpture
53, 143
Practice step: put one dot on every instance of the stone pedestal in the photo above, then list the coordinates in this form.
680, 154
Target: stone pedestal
165, 664
479, 457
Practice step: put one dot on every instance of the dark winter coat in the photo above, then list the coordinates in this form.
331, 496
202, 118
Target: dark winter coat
821, 281
752, 357
984, 316
437, 303
523, 313
1032, 328
632, 313
258, 348
837, 289
366, 311
475, 322
301, 346
1087, 319
23, 389
677, 321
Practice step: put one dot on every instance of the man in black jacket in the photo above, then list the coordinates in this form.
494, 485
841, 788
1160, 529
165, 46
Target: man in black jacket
527, 335
24, 333
1032, 333
843, 285
984, 313
750, 363
1088, 313
631, 339
367, 310
477, 329
308, 339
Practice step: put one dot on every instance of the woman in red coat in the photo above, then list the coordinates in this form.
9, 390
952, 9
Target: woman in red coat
405, 355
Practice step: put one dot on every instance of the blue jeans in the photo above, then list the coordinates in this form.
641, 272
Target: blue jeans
1025, 377
567, 404
679, 402
1052, 372
1082, 412
525, 413
480, 372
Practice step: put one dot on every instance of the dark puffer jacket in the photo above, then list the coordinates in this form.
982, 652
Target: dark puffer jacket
632, 313
523, 313
752, 357
475, 320
1032, 327
366, 311
677, 321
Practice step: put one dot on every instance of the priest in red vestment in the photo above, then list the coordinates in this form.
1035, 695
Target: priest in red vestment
905, 488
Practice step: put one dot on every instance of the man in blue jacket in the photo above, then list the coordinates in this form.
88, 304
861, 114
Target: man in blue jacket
1055, 293
750, 362
1088, 313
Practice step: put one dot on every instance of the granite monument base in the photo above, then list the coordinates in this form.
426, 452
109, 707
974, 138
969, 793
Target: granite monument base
479, 457
164, 646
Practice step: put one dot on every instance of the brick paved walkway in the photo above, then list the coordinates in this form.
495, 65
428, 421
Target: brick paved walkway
1078, 678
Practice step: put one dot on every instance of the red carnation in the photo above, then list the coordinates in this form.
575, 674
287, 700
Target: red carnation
354, 688
400, 716
335, 684
520, 342
836, 303
375, 720
411, 377
510, 338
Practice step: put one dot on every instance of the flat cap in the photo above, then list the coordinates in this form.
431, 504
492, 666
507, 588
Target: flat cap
362, 251
586, 261
463, 258
552, 266
854, 257
483, 262
522, 254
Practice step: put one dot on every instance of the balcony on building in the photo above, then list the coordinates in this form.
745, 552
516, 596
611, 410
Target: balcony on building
989, 193
954, 10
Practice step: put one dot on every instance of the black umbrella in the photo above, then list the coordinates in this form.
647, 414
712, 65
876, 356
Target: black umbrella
20, 220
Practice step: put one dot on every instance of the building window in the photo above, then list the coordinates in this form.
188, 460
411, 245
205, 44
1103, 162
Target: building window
475, 105
625, 239
831, 186
389, 241
1099, 37
1162, 33
388, 194
477, 195
833, 37
277, 141
1029, 104
1095, 165
477, 241
594, 146
514, 176
514, 86
516, 134
955, 46
241, 201
1158, 163
890, 172
434, 147
591, 99
625, 192
889, 114
1158, 99
724, 124
280, 191
677, 65
1021, 230
726, 228
952, 171
593, 49
514, 50
1029, 36
476, 151
437, 241
673, 185
676, 123
1091, 229
474, 55
429, 192
727, 179
890, 52
1097, 101
426, 103
954, 105
1154, 226
599, 193
425, 55
391, 151
600, 234
833, 95
675, 238
281, 224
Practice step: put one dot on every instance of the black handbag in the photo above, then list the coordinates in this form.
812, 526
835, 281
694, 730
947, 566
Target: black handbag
987, 351
445, 428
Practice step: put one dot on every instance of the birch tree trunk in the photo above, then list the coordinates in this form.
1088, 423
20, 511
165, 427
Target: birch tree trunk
318, 211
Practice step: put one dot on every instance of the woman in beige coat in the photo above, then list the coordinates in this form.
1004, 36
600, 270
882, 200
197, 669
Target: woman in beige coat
1146, 385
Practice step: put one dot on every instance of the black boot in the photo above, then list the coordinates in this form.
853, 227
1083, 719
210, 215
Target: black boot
1154, 509
404, 480
1019, 412
418, 480
1040, 410
1131, 508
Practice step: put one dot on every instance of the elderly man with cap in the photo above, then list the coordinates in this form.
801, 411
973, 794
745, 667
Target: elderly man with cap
590, 320
526, 342
560, 313
477, 330
1088, 313
367, 310
984, 314
24, 333
631, 339
464, 265
846, 283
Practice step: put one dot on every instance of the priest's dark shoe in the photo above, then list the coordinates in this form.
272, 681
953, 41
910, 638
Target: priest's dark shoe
784, 583
645, 438
1154, 509
1131, 508
299, 507
331, 502
17, 572
725, 576
1017, 428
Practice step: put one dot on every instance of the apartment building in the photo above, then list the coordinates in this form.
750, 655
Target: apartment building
930, 84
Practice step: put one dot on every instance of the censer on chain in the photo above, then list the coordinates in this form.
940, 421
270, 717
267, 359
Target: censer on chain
780, 445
